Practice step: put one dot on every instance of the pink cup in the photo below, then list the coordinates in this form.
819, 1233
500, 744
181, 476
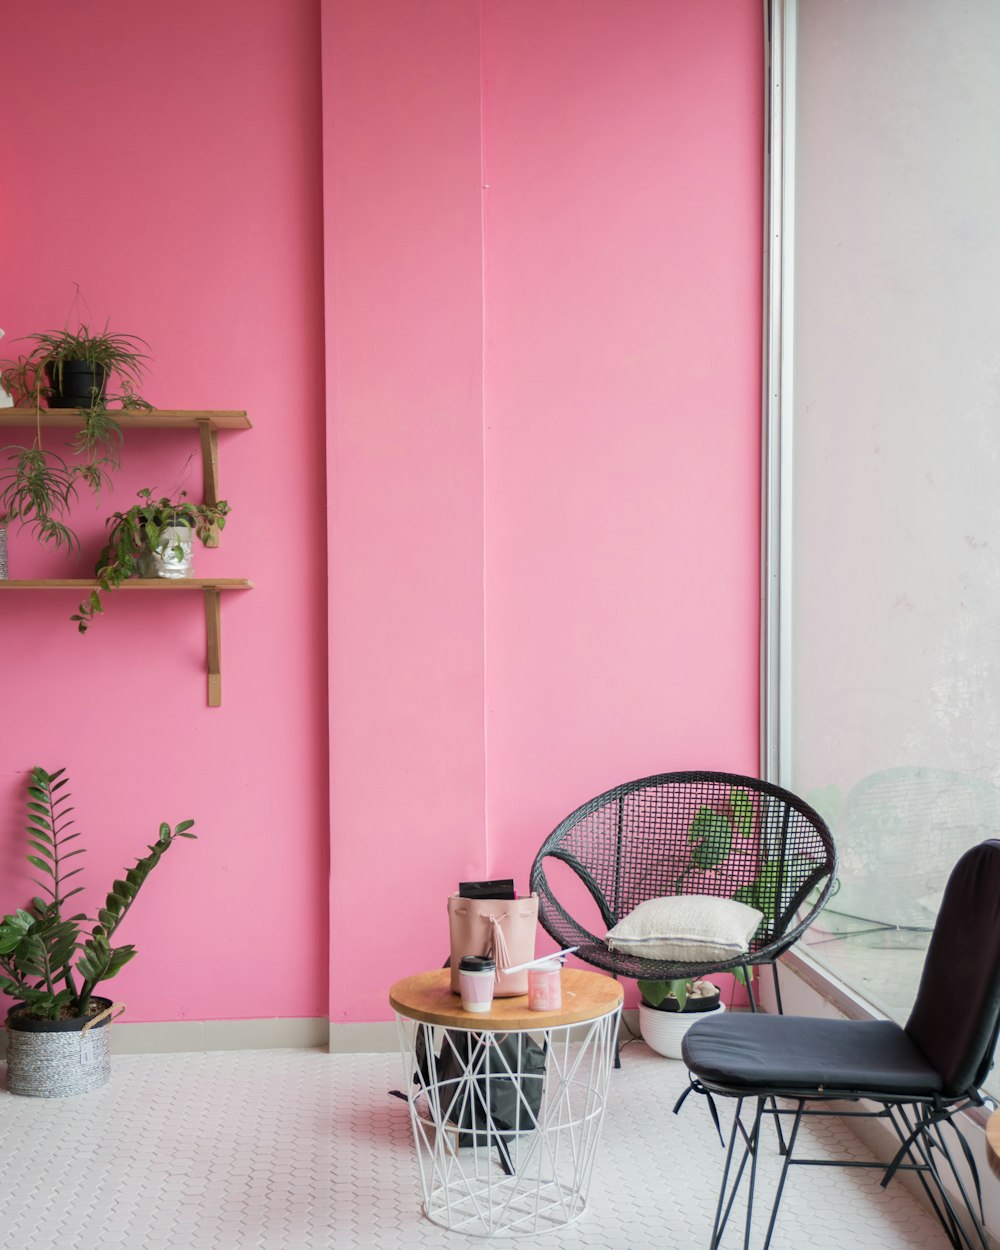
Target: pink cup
476, 977
544, 989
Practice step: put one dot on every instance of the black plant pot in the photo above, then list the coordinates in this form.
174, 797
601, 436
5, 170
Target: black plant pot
78, 384
692, 1005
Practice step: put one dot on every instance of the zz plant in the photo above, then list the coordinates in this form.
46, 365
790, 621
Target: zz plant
50, 961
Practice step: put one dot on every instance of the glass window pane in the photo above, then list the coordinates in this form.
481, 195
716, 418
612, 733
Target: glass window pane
895, 649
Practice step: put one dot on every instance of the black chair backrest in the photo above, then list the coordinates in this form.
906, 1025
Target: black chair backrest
957, 1011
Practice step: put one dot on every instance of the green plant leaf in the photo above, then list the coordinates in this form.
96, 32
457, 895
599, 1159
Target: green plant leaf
747, 894
656, 993
40, 864
119, 957
742, 808
713, 835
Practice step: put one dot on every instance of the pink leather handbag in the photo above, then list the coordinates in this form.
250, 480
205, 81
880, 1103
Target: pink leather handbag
501, 927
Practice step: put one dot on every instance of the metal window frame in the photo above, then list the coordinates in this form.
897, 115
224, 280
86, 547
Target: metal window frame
776, 442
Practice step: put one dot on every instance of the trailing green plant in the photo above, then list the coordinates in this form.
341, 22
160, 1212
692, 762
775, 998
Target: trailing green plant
37, 491
50, 961
138, 533
40, 486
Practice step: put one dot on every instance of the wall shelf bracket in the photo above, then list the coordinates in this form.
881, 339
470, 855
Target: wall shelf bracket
213, 640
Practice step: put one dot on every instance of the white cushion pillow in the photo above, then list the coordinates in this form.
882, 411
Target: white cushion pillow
686, 928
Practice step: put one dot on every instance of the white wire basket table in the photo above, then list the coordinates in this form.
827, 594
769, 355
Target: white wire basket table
507, 1105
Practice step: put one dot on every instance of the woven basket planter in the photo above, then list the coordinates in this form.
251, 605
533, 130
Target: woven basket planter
58, 1058
663, 1031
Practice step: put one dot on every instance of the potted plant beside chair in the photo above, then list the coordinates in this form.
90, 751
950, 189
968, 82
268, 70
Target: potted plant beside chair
58, 1034
669, 1008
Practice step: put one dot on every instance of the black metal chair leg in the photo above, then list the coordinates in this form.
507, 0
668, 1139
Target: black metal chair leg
721, 1217
754, 1150
777, 988
922, 1165
942, 1147
784, 1171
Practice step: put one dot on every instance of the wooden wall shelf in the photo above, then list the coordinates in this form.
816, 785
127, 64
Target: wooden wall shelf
212, 587
208, 423
128, 418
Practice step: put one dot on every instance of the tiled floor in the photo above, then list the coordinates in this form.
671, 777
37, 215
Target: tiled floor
300, 1150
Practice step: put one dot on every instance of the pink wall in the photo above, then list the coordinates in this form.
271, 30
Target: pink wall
404, 356
541, 451
167, 159
623, 228
544, 557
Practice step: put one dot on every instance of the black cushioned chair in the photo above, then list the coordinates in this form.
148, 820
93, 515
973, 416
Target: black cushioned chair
688, 833
920, 1076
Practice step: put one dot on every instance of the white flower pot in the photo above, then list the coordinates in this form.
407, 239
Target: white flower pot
663, 1031
172, 557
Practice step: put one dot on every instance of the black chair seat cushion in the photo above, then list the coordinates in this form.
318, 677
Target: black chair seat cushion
802, 1055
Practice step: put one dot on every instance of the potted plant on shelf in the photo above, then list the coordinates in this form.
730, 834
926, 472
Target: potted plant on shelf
67, 369
58, 1039
153, 538
669, 1008
74, 368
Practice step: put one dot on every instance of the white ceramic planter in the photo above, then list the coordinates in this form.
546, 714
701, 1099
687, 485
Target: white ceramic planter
173, 555
664, 1030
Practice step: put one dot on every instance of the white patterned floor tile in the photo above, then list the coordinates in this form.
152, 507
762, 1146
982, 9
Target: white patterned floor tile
300, 1150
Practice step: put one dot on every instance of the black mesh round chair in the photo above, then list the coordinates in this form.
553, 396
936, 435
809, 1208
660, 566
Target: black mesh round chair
687, 833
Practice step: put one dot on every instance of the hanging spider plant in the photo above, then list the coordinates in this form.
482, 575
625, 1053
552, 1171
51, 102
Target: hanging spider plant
38, 492
39, 486
41, 373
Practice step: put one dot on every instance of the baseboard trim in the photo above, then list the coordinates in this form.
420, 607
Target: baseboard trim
193, 1036
378, 1037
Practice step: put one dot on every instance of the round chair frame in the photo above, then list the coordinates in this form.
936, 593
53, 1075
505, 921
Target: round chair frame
721, 834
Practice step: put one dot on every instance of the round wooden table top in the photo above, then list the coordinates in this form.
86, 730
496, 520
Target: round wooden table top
993, 1141
427, 997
